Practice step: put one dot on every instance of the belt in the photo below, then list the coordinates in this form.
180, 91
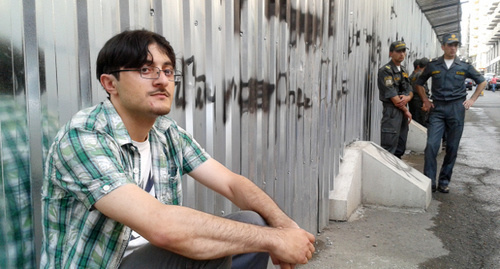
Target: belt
461, 99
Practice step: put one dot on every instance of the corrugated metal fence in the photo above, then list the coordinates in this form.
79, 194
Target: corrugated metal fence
273, 89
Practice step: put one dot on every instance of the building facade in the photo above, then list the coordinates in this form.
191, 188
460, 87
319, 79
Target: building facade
484, 34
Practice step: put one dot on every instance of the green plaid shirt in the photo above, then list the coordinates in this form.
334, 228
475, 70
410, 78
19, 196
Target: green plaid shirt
91, 156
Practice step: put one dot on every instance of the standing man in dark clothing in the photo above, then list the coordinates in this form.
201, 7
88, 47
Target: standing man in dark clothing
447, 109
415, 103
395, 92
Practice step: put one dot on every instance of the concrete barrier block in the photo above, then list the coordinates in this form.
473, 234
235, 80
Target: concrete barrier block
417, 137
389, 181
369, 174
346, 195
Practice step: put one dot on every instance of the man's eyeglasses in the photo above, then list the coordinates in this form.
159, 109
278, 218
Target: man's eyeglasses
149, 72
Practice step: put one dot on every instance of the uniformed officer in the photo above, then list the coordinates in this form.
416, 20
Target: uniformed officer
395, 92
447, 109
415, 104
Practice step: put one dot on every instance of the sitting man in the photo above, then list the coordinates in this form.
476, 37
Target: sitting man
111, 195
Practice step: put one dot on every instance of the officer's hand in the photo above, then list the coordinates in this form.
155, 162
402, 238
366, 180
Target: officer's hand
408, 116
468, 103
400, 103
427, 105
405, 99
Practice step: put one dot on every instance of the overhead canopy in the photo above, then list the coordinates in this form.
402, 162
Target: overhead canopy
443, 15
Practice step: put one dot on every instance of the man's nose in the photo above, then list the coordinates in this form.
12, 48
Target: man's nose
162, 79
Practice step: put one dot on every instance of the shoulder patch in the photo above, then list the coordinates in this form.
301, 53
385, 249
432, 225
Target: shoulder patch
388, 81
388, 67
433, 60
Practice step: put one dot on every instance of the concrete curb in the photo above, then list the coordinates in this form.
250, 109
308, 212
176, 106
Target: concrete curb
417, 137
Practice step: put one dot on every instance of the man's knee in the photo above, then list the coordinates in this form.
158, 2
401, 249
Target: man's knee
249, 260
247, 216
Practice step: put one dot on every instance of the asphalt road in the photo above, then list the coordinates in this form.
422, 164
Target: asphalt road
459, 230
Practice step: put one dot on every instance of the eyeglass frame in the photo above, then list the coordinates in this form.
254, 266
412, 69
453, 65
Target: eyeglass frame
177, 75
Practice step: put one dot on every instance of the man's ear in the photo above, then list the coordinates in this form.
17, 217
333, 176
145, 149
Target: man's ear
108, 82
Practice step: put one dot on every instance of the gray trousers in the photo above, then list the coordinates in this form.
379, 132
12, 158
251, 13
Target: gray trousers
150, 256
394, 130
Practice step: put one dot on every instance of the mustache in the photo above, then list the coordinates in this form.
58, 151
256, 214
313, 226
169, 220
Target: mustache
159, 91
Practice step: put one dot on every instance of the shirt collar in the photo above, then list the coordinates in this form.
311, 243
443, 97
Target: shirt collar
395, 68
120, 132
455, 61
116, 125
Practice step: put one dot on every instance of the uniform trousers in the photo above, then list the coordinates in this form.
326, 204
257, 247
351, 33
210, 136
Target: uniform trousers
417, 114
446, 117
394, 130
152, 257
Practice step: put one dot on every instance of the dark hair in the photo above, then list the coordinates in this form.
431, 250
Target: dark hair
129, 49
423, 62
416, 63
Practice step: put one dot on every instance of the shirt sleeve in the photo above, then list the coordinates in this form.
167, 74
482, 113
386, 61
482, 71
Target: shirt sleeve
386, 84
193, 154
407, 83
89, 165
423, 77
475, 75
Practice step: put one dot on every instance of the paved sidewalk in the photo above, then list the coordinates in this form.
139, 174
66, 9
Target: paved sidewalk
458, 230
378, 237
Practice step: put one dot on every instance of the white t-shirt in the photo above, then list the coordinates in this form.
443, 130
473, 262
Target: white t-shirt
449, 62
146, 183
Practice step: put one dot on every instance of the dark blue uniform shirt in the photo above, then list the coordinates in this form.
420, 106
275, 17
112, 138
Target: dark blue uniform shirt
392, 82
448, 84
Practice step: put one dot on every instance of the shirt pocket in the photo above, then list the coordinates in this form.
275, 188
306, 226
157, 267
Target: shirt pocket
437, 80
458, 81
174, 185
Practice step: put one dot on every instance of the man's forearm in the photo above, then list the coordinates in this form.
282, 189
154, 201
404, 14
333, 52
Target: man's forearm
250, 197
478, 91
404, 109
241, 191
400, 102
421, 92
199, 235
285, 238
